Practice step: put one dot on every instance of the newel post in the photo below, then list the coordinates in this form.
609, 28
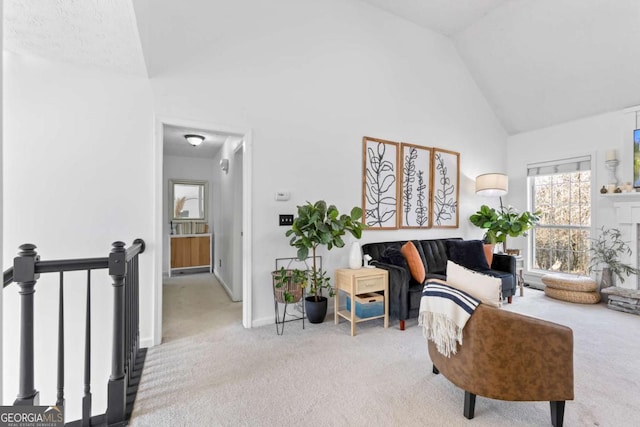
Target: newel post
116, 399
24, 274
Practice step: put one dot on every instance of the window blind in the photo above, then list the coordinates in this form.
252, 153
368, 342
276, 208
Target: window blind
575, 164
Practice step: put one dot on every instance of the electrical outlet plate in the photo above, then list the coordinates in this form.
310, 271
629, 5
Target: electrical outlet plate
285, 220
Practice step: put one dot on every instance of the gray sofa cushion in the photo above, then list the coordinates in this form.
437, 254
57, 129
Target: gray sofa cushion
392, 255
468, 253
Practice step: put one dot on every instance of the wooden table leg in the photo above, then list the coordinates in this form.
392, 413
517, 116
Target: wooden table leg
521, 280
353, 315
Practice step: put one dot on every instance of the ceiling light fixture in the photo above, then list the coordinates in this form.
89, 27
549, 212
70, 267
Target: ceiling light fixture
194, 140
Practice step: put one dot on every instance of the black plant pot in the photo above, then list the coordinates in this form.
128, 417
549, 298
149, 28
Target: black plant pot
316, 310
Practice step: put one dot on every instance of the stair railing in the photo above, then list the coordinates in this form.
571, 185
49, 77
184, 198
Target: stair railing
127, 358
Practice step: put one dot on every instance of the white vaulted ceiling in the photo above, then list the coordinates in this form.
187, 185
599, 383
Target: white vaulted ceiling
85, 32
538, 62
543, 62
447, 17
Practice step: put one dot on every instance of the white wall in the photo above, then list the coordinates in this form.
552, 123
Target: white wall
175, 167
224, 220
78, 175
592, 135
1, 195
311, 79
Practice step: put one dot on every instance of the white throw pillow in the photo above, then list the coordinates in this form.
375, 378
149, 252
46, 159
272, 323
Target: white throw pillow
487, 289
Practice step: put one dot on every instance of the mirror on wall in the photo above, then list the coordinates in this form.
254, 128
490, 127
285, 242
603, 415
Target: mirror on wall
188, 200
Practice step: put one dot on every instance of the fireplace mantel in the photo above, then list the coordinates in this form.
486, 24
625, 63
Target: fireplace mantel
627, 207
623, 197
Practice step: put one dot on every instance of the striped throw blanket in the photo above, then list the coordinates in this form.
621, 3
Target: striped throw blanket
444, 311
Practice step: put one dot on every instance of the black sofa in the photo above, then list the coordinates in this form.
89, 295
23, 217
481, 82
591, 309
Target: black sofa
405, 292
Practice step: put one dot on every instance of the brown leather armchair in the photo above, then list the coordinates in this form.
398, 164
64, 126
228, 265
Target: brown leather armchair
509, 356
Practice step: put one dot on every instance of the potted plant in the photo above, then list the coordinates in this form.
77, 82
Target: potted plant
288, 284
503, 223
316, 225
606, 250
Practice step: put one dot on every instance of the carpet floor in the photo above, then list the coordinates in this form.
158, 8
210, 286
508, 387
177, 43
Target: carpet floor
210, 371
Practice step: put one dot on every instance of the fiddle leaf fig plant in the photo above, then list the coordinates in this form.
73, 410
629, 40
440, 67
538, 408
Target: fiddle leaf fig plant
318, 225
503, 222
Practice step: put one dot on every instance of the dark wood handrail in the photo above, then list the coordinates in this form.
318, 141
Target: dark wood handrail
8, 277
60, 265
137, 247
127, 356
56, 266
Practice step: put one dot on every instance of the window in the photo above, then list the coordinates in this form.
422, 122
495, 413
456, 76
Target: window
561, 191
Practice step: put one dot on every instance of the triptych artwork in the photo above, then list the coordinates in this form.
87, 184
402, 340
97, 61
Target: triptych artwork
409, 186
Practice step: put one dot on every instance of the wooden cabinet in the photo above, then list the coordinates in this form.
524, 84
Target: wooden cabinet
190, 251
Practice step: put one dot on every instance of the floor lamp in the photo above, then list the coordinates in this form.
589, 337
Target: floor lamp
493, 185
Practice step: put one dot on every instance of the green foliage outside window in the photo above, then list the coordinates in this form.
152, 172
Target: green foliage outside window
636, 157
561, 239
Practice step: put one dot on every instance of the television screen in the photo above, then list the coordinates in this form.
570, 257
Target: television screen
636, 158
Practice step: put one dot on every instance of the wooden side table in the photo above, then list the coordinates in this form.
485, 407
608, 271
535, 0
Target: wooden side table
361, 281
519, 277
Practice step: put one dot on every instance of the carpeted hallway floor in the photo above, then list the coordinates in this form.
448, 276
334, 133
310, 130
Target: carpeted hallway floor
210, 371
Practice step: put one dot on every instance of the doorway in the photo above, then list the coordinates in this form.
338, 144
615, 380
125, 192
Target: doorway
237, 239
237, 144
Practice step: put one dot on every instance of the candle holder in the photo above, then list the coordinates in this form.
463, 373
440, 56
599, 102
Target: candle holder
612, 166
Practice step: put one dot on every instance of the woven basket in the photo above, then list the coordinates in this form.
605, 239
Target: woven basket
570, 282
292, 288
573, 296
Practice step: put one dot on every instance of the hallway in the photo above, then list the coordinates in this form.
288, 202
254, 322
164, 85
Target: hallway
197, 316
196, 303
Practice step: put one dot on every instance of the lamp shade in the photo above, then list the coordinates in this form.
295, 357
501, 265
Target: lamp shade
492, 184
194, 140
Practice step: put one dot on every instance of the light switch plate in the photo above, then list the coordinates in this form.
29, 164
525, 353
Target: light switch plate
286, 220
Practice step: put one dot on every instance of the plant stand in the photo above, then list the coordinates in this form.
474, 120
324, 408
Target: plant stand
280, 321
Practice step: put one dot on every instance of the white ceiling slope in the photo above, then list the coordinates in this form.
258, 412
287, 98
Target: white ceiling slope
540, 62
543, 62
99, 33
446, 17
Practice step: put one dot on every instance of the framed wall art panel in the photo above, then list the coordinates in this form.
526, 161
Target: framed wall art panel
445, 190
379, 183
636, 158
415, 186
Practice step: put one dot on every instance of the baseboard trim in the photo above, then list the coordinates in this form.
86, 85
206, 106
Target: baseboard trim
534, 282
270, 320
264, 321
224, 285
146, 342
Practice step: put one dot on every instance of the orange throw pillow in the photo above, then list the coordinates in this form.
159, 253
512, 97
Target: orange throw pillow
416, 267
488, 253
